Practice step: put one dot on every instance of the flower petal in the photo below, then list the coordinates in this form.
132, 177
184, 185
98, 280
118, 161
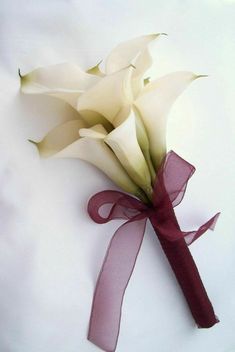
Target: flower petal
123, 142
60, 137
124, 54
143, 141
109, 95
97, 131
134, 51
154, 104
96, 152
64, 81
93, 118
142, 62
141, 133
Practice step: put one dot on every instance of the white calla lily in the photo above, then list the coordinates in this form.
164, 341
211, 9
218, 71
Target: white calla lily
99, 132
58, 138
109, 95
97, 153
64, 81
124, 54
123, 117
143, 141
153, 105
141, 133
134, 51
64, 142
123, 142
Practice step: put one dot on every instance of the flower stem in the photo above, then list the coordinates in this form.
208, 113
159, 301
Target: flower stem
187, 275
150, 166
142, 196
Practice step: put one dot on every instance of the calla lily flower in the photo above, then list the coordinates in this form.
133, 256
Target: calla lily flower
109, 95
123, 142
59, 138
135, 52
141, 133
64, 142
126, 148
97, 153
154, 104
124, 53
122, 116
64, 81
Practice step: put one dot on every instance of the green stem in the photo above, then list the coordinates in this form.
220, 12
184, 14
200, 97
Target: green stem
150, 166
142, 196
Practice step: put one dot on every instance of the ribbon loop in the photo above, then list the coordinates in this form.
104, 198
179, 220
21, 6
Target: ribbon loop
123, 206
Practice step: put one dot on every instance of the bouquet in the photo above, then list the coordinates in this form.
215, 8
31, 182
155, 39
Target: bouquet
121, 128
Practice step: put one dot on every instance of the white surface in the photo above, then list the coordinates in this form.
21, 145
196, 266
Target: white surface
50, 251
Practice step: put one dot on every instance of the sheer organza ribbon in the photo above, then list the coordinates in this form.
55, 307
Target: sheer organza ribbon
124, 247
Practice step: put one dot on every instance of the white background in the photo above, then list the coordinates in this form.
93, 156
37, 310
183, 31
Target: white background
50, 251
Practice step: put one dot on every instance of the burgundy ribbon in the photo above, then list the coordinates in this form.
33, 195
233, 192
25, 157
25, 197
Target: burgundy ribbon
118, 265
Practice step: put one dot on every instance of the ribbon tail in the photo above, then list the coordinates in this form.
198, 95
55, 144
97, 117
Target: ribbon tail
113, 279
192, 236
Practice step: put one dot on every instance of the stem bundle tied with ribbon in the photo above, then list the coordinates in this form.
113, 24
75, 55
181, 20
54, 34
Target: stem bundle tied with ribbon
121, 128
118, 265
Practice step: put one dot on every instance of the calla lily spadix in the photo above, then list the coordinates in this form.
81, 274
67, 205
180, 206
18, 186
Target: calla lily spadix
122, 116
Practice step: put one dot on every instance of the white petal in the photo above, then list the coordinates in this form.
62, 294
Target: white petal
124, 54
142, 62
122, 115
143, 141
60, 137
154, 104
93, 118
96, 152
109, 95
65, 81
141, 133
123, 142
97, 131
134, 51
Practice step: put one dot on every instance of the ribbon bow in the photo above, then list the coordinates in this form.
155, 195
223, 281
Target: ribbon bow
119, 262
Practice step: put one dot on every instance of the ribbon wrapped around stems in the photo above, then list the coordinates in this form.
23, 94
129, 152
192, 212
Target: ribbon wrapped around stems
118, 265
